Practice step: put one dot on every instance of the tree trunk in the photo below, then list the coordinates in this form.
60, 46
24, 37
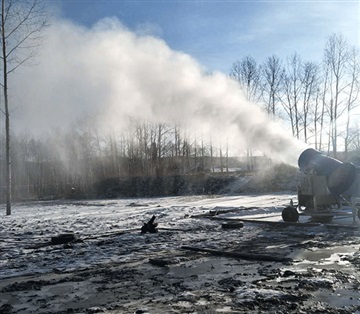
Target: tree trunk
7, 113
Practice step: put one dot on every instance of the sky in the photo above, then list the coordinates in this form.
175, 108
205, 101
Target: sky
217, 33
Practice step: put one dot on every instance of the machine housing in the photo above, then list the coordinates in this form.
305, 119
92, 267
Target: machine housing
327, 187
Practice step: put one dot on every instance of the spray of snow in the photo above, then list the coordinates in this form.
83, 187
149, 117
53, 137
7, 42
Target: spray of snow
107, 74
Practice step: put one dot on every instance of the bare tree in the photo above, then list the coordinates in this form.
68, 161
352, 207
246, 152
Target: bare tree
336, 56
300, 89
21, 24
352, 92
293, 85
309, 95
320, 108
273, 73
247, 73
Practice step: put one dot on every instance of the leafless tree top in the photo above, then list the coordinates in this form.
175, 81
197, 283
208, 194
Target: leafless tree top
21, 26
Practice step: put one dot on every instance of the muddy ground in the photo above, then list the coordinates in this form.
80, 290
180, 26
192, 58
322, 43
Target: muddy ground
280, 268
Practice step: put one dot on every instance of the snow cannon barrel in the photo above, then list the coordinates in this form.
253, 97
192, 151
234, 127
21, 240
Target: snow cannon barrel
339, 176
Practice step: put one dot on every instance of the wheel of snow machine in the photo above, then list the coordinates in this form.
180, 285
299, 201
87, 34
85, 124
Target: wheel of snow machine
290, 214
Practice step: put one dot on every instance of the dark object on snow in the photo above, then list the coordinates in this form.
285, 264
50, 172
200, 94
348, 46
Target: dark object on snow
232, 225
63, 238
150, 226
159, 262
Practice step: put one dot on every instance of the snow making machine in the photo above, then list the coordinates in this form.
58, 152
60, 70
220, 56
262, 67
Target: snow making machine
327, 188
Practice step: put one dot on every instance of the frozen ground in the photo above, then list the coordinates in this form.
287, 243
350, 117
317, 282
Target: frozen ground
112, 267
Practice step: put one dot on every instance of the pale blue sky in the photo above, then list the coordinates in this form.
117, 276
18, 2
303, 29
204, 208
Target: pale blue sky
217, 33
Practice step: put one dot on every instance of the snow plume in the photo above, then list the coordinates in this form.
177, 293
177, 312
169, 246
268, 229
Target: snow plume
108, 74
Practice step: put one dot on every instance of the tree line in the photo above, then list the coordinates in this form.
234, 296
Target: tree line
65, 163
318, 100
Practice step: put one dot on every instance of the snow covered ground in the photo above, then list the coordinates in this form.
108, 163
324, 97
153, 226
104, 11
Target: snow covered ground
31, 225
111, 267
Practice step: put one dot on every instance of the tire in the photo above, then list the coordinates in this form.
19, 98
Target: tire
290, 214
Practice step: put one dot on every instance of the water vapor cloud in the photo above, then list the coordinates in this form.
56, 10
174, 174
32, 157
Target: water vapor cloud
108, 74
